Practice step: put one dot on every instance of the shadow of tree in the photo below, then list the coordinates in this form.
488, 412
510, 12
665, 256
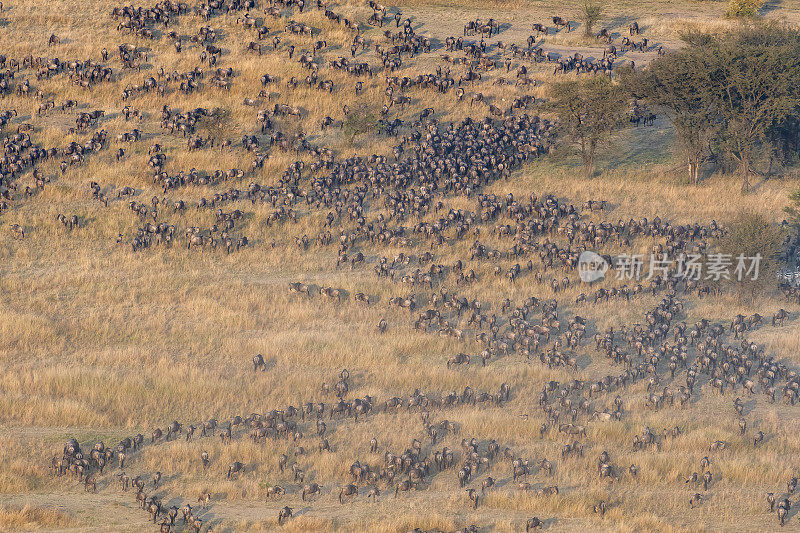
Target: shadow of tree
769, 6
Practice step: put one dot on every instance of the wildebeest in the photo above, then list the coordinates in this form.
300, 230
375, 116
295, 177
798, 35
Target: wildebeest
783, 510
473, 496
300, 288
347, 490
559, 23
533, 523
17, 232
235, 468
312, 489
284, 515
458, 359
275, 490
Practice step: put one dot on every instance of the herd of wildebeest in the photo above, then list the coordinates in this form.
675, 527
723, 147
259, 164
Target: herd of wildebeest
651, 351
372, 203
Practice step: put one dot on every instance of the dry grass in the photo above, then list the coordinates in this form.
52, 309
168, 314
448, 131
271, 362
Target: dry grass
100, 342
32, 519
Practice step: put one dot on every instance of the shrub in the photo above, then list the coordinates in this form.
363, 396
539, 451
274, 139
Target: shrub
743, 8
793, 209
359, 121
750, 234
216, 125
591, 13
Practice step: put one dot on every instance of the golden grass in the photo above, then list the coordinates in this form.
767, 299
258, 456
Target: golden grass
29, 518
100, 342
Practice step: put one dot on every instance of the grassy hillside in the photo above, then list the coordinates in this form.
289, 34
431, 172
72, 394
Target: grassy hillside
100, 342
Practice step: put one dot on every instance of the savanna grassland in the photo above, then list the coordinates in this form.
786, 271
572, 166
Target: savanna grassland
106, 333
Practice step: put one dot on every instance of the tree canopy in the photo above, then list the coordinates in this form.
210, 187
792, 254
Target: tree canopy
730, 91
591, 13
588, 110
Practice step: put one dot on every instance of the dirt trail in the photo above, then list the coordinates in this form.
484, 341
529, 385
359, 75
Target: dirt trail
110, 511
117, 511
440, 23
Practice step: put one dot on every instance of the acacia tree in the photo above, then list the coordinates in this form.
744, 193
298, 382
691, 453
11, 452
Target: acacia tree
591, 12
750, 235
755, 76
735, 89
680, 83
588, 110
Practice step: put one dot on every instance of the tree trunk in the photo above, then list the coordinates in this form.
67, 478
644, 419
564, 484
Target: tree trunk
772, 155
585, 157
588, 158
745, 167
694, 168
